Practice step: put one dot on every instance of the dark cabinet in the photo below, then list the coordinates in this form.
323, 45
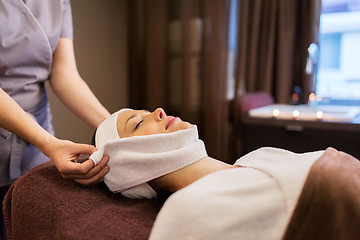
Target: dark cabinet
300, 136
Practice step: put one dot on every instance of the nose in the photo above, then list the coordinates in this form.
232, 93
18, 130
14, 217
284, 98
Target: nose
159, 114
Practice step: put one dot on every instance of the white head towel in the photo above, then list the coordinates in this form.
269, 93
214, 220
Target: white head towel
107, 130
136, 160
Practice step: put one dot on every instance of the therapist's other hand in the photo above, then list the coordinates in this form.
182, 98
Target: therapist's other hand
65, 154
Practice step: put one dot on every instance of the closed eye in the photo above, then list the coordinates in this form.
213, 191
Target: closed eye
137, 125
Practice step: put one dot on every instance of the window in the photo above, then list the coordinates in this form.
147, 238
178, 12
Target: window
338, 78
232, 49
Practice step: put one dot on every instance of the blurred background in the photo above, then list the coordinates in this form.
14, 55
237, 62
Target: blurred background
202, 59
100, 42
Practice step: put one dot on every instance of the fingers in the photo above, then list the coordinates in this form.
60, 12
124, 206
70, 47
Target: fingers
90, 174
74, 169
67, 155
85, 149
69, 163
102, 165
95, 179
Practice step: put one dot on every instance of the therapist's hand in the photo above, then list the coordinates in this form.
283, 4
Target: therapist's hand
65, 155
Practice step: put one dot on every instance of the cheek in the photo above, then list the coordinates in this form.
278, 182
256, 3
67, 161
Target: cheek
187, 125
149, 129
181, 126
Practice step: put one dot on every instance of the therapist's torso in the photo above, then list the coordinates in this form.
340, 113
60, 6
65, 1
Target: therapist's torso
29, 33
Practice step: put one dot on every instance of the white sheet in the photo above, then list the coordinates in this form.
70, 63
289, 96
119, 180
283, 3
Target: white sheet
252, 202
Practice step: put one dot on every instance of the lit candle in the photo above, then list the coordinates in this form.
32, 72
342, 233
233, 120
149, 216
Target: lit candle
319, 115
296, 114
276, 112
312, 100
312, 97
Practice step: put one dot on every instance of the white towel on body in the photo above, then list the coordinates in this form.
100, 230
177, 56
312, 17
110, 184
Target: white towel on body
254, 201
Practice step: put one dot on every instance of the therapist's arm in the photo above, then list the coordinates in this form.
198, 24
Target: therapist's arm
62, 152
71, 89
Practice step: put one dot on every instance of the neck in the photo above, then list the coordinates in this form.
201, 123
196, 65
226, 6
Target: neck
183, 177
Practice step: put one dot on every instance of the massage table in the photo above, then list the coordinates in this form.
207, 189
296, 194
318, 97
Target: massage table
43, 205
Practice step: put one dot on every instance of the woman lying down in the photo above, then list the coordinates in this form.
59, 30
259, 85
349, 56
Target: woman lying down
269, 193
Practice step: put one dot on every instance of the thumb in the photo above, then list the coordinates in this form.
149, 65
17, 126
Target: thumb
85, 149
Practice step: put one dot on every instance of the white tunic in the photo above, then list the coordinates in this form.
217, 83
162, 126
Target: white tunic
29, 33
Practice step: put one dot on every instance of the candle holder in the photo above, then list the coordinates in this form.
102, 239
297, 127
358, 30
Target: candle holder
312, 100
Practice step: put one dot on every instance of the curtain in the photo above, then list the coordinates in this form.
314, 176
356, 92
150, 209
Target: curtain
178, 61
273, 39
216, 124
272, 46
147, 21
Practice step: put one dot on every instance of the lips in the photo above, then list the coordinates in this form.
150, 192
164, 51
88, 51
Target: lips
170, 121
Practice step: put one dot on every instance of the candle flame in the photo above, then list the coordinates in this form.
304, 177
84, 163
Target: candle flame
312, 97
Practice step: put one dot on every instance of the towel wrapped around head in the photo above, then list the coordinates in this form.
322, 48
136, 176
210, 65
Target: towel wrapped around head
136, 160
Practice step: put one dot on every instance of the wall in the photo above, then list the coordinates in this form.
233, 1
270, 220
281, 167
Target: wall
100, 34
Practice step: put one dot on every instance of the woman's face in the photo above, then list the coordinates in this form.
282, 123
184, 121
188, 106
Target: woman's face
141, 122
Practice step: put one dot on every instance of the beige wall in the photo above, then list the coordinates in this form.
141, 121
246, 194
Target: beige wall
100, 36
